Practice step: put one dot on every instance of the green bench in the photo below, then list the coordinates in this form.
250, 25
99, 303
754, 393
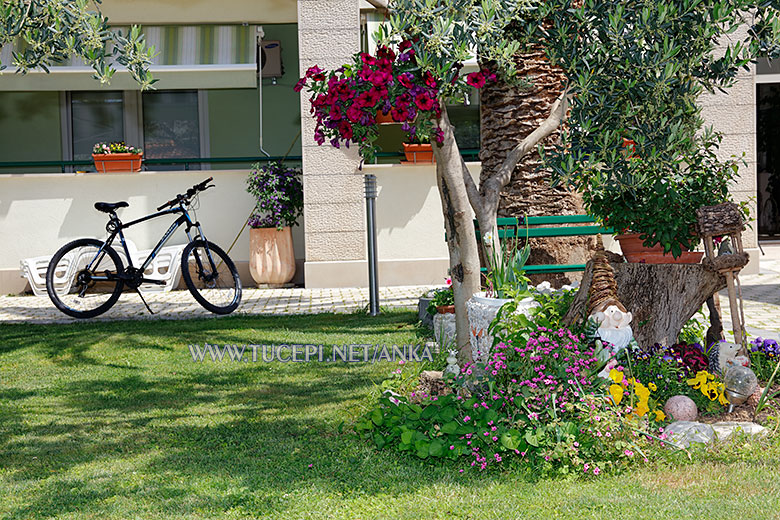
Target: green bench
510, 227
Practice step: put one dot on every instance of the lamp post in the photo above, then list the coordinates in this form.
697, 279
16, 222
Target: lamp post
373, 276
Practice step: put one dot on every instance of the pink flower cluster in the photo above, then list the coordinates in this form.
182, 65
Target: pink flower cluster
550, 364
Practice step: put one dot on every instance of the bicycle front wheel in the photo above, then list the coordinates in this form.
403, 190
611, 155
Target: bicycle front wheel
211, 276
83, 278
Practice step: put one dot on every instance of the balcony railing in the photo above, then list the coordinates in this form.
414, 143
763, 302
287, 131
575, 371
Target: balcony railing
187, 163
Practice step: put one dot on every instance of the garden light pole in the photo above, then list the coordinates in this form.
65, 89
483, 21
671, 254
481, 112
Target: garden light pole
373, 277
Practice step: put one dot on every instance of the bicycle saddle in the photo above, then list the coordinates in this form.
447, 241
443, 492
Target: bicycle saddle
108, 207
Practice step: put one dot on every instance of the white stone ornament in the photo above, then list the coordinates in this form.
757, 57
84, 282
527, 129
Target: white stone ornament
482, 311
452, 363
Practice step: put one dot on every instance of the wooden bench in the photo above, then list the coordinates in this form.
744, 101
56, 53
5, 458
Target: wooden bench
511, 227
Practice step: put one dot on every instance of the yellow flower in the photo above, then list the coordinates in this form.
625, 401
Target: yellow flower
700, 379
643, 394
722, 395
652, 386
616, 376
641, 409
616, 391
659, 415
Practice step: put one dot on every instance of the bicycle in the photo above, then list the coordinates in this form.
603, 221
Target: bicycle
86, 277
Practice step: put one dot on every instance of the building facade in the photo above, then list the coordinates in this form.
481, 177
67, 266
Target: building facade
211, 115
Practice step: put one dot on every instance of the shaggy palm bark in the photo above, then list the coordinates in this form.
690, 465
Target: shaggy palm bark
511, 113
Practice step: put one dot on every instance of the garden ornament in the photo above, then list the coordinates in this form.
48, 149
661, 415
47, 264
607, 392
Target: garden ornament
725, 220
681, 408
604, 308
740, 384
723, 354
452, 363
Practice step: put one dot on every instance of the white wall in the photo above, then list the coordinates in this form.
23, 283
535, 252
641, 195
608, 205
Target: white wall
41, 212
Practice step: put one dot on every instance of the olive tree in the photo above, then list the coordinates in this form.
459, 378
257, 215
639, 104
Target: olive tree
51, 31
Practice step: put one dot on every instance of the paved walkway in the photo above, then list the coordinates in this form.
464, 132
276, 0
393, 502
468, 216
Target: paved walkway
181, 305
761, 295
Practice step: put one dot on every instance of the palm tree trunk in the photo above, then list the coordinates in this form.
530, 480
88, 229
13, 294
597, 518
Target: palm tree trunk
509, 114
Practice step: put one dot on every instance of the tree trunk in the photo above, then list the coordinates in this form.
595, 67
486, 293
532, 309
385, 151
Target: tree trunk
510, 114
662, 297
459, 226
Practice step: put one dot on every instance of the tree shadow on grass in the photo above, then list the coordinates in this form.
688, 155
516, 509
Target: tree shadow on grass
252, 430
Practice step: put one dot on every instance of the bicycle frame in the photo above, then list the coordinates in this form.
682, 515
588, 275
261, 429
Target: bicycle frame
115, 227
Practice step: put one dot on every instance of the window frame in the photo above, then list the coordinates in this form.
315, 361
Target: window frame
133, 127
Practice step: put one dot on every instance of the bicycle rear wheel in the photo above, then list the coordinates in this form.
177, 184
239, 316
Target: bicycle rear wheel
83, 278
211, 276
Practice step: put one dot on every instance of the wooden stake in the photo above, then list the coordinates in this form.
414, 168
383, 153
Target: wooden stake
736, 326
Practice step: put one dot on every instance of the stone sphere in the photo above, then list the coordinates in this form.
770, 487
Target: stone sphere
681, 408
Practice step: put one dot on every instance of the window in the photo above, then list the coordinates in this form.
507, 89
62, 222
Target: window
171, 126
95, 117
166, 124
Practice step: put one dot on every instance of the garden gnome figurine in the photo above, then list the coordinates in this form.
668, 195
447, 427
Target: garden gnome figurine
604, 308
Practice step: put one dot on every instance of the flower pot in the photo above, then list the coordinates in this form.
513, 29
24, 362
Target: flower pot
482, 310
271, 255
418, 153
384, 119
117, 162
636, 252
445, 309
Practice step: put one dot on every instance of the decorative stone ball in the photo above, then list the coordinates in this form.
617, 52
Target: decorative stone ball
681, 408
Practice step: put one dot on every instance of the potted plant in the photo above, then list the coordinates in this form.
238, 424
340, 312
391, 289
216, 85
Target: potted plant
390, 86
116, 157
419, 150
654, 209
278, 193
505, 282
443, 300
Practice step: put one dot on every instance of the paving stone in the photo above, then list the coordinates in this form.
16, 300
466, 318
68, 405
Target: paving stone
725, 429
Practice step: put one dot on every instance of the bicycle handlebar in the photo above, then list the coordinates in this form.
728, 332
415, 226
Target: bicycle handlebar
191, 192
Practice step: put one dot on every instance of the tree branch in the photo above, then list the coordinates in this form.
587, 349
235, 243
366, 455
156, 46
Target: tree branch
475, 199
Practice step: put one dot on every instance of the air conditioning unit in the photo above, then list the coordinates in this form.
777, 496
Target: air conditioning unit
270, 54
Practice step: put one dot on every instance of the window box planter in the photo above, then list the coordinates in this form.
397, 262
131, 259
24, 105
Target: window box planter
418, 153
117, 162
635, 252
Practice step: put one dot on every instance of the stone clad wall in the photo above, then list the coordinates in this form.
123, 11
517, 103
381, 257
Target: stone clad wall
334, 215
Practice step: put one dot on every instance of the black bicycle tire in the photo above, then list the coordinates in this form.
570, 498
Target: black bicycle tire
185, 272
50, 276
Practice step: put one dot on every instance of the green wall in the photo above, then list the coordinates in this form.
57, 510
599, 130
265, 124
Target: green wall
233, 113
30, 129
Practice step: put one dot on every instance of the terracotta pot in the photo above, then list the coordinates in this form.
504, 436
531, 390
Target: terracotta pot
418, 153
636, 253
271, 255
445, 309
382, 119
117, 162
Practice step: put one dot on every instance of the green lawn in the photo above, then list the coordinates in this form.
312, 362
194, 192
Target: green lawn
114, 420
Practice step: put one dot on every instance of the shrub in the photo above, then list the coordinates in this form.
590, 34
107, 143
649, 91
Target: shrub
278, 192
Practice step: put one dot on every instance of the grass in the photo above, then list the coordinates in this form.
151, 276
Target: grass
115, 421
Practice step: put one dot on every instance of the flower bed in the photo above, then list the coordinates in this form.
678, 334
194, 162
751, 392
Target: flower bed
544, 399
